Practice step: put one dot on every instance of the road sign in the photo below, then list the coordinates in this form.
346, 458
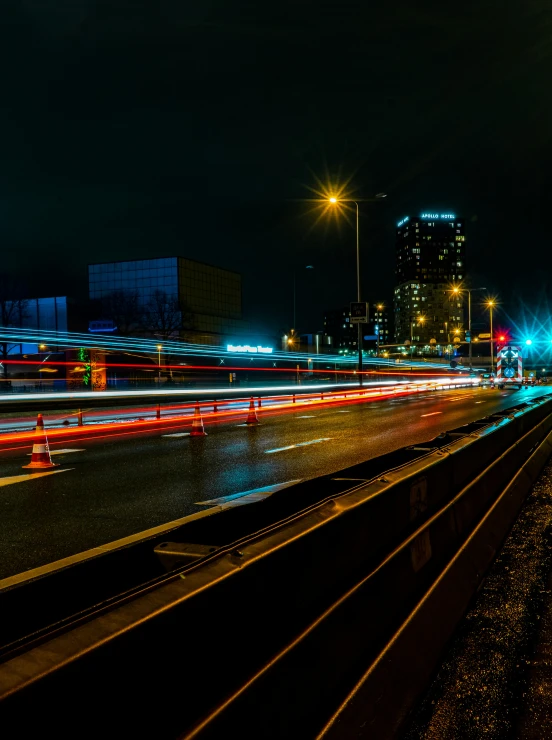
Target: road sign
468, 336
359, 312
484, 336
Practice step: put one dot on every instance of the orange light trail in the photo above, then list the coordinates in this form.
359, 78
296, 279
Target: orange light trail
114, 429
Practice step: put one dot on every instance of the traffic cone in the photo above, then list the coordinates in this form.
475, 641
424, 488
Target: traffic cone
40, 457
197, 424
252, 415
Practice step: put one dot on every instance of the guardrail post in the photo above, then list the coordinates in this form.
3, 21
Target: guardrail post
79, 419
158, 415
215, 408
294, 398
259, 402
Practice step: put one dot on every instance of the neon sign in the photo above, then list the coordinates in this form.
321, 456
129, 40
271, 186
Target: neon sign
447, 216
249, 349
404, 220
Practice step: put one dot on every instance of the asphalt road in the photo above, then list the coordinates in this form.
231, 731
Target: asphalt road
108, 488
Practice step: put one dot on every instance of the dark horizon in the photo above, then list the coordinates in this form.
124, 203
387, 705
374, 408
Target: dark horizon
132, 131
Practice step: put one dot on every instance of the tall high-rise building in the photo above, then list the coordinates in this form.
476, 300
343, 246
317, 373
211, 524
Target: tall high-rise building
430, 258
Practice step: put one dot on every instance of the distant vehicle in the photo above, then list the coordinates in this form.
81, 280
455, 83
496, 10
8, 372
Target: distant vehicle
487, 380
509, 367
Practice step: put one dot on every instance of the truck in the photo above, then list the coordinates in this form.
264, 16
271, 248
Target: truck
509, 367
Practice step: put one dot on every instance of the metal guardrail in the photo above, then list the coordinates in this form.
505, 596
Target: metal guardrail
272, 632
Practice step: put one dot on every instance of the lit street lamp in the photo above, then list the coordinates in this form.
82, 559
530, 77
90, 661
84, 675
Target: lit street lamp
159, 348
457, 291
379, 307
333, 200
490, 304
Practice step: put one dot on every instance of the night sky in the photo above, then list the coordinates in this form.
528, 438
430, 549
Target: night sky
140, 128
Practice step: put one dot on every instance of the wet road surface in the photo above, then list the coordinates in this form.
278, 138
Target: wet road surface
108, 488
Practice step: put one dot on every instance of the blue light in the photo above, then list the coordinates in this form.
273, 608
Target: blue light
528, 342
404, 220
447, 216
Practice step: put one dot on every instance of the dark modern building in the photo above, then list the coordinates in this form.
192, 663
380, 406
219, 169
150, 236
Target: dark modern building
430, 258
41, 314
207, 300
343, 335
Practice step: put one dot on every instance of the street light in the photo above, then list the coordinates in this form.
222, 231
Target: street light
490, 304
159, 348
457, 291
379, 307
334, 201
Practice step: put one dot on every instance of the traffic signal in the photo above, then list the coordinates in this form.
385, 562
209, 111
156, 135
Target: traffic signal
502, 338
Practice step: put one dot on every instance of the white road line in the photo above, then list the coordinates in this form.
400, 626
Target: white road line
29, 476
308, 416
280, 449
178, 434
58, 452
299, 444
481, 401
434, 413
256, 494
343, 412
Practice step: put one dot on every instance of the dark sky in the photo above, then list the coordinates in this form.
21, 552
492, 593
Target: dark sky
136, 128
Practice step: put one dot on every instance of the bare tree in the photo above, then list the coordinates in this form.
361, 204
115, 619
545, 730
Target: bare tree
165, 316
13, 310
123, 308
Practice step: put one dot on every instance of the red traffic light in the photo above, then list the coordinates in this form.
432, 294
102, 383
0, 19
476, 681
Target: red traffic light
502, 337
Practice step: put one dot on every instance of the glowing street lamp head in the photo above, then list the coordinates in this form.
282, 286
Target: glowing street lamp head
333, 199
159, 346
528, 342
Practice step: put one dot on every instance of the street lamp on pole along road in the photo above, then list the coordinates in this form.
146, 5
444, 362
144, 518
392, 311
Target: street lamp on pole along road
159, 348
335, 201
457, 291
379, 309
490, 304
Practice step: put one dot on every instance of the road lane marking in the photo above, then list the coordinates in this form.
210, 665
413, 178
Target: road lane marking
432, 414
58, 452
343, 412
29, 476
256, 494
178, 434
299, 444
307, 416
481, 401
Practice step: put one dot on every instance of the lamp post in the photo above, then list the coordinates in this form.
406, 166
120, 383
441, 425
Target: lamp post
334, 200
379, 308
490, 305
458, 291
159, 348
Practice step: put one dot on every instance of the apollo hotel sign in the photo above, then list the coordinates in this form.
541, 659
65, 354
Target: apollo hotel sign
432, 216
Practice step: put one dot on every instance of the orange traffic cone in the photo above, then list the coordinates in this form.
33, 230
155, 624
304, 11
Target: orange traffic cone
252, 415
197, 424
41, 452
